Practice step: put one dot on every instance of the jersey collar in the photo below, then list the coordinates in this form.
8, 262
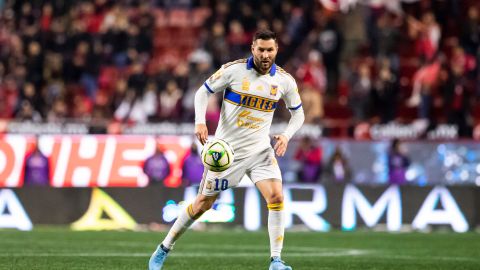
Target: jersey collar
251, 64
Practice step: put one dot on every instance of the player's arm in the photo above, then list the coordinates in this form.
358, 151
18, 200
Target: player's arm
294, 104
216, 83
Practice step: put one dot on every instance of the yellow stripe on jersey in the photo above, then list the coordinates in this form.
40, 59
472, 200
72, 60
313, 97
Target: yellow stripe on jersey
281, 70
250, 101
239, 61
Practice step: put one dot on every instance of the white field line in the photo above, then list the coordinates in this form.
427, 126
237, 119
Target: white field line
239, 251
183, 254
352, 252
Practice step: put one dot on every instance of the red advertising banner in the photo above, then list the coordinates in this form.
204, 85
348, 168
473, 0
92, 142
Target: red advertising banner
92, 161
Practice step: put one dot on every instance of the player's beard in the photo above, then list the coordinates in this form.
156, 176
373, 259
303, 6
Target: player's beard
263, 65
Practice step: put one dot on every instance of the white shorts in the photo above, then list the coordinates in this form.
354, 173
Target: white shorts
257, 167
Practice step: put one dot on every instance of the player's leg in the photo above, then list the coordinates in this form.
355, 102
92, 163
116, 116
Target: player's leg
185, 219
268, 179
207, 194
271, 190
195, 210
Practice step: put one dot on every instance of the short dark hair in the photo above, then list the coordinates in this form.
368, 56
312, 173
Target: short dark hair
265, 34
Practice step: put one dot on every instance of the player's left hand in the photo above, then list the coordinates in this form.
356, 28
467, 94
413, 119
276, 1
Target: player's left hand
281, 144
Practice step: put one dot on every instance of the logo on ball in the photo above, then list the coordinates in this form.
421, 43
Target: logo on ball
217, 155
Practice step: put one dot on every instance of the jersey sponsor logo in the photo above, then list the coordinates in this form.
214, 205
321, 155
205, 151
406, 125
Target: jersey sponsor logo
250, 101
246, 121
246, 115
259, 88
273, 90
246, 124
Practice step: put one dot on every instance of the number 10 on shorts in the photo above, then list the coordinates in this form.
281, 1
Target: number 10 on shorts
221, 184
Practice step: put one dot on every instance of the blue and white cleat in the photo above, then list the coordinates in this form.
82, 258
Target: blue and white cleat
157, 259
277, 264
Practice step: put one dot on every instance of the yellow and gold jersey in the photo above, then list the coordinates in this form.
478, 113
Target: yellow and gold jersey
249, 101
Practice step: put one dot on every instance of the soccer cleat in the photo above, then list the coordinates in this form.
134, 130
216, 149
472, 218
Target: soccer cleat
277, 264
157, 259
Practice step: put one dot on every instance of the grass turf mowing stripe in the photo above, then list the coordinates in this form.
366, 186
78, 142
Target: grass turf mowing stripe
54, 249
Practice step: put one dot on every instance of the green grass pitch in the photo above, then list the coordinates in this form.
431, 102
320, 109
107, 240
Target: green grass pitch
54, 248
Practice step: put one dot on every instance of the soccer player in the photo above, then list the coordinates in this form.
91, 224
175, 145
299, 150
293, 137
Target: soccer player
251, 90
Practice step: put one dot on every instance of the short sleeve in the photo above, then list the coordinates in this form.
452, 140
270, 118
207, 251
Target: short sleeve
291, 95
218, 81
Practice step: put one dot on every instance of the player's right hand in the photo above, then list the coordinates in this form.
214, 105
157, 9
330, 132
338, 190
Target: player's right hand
201, 131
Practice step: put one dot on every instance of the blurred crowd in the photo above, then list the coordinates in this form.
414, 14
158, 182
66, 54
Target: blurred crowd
138, 61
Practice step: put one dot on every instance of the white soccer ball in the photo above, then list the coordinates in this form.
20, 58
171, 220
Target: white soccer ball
217, 155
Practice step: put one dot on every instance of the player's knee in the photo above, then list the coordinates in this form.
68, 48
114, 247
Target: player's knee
202, 206
275, 198
205, 206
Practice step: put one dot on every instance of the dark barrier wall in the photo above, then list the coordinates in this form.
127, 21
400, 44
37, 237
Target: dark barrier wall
316, 207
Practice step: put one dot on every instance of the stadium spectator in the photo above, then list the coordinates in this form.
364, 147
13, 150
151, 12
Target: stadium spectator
387, 37
426, 34
34, 63
460, 59
313, 72
385, 92
471, 31
137, 79
59, 111
8, 97
361, 92
310, 155
27, 113
119, 94
81, 107
137, 107
247, 17
201, 64
98, 122
37, 169
30, 94
156, 167
238, 40
338, 170
169, 105
181, 75
398, 163
457, 99
312, 103
424, 88
192, 169
329, 41
217, 44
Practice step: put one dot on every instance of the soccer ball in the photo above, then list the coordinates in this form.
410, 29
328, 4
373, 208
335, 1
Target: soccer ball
217, 155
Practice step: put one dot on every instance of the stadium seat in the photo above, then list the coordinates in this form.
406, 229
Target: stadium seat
199, 15
179, 18
161, 19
